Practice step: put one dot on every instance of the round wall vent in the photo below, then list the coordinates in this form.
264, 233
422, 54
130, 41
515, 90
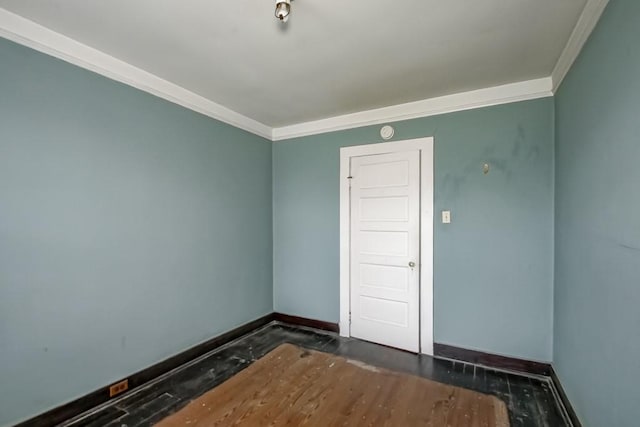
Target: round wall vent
387, 132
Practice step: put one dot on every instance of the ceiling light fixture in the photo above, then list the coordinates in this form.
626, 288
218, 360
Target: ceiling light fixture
283, 9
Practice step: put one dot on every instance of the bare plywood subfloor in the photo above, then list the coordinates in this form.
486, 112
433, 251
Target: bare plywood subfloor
295, 387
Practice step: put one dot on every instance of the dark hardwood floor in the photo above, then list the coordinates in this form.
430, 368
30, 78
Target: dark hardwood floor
531, 400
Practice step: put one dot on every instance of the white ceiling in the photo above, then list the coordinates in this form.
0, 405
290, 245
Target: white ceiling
331, 58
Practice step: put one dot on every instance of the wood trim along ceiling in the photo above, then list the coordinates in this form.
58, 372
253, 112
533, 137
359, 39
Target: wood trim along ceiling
23, 31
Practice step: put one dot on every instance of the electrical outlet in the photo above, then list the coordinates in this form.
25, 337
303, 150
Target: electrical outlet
118, 388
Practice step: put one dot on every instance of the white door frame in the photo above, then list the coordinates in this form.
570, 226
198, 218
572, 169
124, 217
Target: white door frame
425, 145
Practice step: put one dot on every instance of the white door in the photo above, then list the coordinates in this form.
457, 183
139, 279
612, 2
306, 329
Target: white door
385, 249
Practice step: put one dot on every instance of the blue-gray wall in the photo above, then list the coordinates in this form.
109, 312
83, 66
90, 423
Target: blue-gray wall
130, 230
493, 264
597, 283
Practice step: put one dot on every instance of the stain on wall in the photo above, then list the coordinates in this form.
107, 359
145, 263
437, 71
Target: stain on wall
493, 263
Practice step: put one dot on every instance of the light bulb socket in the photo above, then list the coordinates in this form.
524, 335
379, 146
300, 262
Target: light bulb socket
283, 9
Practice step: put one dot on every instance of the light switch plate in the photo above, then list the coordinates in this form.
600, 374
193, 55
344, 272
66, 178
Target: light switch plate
446, 217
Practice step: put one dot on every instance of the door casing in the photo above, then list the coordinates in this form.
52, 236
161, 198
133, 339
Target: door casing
426, 147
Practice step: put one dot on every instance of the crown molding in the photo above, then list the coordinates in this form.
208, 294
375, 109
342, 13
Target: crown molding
513, 92
584, 27
35, 36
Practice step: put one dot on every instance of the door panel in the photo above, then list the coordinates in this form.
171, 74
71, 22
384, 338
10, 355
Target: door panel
384, 243
380, 310
385, 240
384, 277
384, 174
384, 208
